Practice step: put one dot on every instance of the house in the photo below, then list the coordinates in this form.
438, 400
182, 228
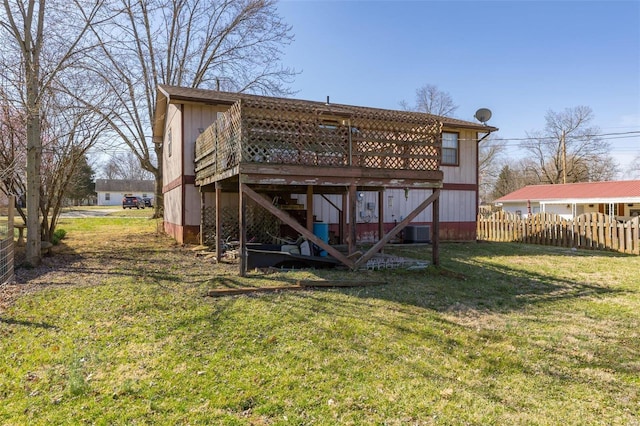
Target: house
111, 191
315, 162
617, 198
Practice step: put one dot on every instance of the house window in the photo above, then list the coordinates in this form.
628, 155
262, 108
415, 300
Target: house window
611, 209
449, 149
107, 196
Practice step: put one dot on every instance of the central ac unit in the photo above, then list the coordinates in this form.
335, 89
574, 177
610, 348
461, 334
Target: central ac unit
417, 234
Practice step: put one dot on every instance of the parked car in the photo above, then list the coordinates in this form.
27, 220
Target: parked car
130, 202
147, 201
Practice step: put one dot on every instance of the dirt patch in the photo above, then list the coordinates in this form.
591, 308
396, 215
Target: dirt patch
84, 261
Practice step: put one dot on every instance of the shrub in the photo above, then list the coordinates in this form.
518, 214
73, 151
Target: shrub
58, 235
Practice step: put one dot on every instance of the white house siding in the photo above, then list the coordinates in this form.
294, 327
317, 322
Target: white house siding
398, 204
465, 172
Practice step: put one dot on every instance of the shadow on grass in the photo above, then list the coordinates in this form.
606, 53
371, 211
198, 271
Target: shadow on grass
469, 280
11, 321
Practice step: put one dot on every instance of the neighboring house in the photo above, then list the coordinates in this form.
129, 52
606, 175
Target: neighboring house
617, 198
111, 191
320, 151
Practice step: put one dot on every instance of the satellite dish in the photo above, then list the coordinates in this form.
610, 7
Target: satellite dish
483, 115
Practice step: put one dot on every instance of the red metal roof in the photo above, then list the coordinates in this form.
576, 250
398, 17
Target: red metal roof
586, 190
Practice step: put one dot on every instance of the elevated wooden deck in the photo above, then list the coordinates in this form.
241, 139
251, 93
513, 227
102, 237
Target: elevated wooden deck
271, 145
273, 141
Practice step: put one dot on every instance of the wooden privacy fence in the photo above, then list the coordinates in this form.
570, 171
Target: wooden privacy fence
590, 231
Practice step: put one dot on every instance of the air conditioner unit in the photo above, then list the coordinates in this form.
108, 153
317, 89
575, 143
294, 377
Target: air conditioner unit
417, 234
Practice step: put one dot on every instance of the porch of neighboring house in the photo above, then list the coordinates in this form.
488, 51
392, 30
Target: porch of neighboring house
262, 150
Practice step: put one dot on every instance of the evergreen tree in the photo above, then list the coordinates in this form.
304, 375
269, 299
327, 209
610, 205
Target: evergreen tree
82, 186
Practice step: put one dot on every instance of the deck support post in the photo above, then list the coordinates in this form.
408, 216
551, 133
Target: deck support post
380, 214
352, 219
218, 220
243, 230
343, 219
310, 207
288, 220
435, 239
396, 229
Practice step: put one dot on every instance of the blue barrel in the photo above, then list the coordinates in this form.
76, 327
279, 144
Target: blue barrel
321, 230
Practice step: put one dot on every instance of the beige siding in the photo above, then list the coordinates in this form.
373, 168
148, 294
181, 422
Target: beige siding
172, 168
465, 172
192, 211
458, 206
173, 206
196, 117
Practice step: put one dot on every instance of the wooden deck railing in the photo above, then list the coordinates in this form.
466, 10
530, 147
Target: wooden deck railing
281, 131
589, 231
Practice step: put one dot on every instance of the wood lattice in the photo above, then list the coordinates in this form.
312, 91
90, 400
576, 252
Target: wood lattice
262, 227
284, 131
230, 229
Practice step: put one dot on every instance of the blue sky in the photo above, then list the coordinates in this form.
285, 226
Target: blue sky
517, 58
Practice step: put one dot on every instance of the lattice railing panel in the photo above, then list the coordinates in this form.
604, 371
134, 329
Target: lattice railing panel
295, 134
282, 131
218, 147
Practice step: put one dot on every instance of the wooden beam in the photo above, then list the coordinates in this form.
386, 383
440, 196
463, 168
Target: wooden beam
300, 285
287, 219
380, 214
279, 174
218, 222
435, 239
338, 283
343, 219
352, 219
310, 207
220, 292
242, 204
396, 229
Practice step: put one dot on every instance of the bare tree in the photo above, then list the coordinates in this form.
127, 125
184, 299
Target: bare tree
489, 164
633, 170
233, 44
70, 130
125, 166
434, 101
568, 149
40, 51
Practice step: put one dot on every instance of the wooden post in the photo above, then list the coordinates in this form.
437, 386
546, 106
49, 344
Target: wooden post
396, 229
287, 219
202, 214
435, 243
343, 219
242, 203
310, 207
380, 214
352, 219
218, 222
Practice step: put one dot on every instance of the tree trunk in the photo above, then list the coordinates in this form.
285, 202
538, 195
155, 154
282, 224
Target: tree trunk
34, 158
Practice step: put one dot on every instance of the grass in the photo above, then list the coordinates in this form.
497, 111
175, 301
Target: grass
117, 331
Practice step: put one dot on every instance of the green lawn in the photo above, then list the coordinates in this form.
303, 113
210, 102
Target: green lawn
504, 334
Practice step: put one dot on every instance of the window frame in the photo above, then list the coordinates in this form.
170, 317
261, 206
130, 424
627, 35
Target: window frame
457, 149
